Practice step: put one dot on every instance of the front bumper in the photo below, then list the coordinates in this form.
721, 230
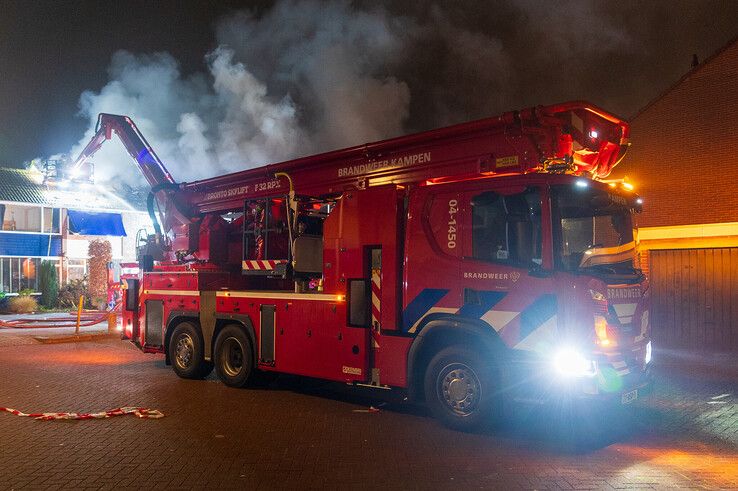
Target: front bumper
545, 387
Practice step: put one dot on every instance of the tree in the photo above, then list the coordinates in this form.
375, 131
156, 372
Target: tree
48, 281
101, 254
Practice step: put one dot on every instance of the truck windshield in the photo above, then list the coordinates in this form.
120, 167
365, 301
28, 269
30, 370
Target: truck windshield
594, 230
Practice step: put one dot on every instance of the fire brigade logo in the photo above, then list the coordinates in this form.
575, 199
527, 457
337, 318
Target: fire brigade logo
514, 276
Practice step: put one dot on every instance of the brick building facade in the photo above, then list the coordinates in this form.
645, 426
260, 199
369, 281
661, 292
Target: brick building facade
684, 162
684, 159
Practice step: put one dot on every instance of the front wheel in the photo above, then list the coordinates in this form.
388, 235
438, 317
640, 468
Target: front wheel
461, 389
233, 356
186, 352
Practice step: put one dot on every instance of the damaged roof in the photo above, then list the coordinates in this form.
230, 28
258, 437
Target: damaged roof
27, 186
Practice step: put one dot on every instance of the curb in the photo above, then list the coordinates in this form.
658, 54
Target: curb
80, 338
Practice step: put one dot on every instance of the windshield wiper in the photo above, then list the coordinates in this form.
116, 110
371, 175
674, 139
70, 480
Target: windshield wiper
608, 269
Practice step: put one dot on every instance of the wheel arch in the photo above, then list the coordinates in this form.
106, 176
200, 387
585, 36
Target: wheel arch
244, 322
175, 318
441, 332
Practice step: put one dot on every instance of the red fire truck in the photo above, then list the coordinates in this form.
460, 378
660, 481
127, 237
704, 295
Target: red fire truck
470, 265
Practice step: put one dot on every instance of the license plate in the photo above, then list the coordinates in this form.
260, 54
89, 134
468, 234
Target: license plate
629, 397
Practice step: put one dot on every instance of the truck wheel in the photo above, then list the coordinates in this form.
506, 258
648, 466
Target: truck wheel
233, 356
186, 352
460, 389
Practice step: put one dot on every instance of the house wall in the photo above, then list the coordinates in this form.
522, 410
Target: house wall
684, 163
684, 158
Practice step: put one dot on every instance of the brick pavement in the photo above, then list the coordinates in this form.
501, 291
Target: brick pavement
305, 434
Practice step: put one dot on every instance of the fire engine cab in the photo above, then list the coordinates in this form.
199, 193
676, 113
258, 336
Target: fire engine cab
467, 265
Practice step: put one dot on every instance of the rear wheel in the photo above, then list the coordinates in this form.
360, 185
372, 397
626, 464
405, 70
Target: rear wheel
461, 389
186, 352
233, 356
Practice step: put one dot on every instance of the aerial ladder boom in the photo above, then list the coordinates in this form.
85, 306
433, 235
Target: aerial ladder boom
158, 177
136, 145
575, 138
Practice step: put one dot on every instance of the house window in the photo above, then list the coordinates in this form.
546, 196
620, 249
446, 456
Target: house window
21, 218
76, 269
52, 220
6, 272
20, 273
28, 278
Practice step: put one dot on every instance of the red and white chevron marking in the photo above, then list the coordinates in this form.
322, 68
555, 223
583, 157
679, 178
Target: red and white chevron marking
139, 412
376, 309
263, 264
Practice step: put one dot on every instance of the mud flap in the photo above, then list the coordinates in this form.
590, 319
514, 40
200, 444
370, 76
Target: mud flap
267, 334
154, 328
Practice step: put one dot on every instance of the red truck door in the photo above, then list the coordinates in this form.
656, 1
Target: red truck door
502, 277
479, 252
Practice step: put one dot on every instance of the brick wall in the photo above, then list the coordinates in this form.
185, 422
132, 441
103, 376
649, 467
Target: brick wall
684, 158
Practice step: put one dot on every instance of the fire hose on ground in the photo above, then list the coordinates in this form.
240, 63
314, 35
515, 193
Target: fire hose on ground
82, 319
139, 412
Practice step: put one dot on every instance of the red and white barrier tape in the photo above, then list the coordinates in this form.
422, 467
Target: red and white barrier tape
139, 412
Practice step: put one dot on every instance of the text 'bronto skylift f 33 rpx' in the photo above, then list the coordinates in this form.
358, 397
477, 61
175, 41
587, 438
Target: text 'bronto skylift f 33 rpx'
464, 265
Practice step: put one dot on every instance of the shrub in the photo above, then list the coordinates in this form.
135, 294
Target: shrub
22, 304
69, 294
48, 284
3, 301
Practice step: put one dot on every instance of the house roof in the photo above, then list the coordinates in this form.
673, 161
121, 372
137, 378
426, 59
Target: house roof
687, 75
16, 185
27, 186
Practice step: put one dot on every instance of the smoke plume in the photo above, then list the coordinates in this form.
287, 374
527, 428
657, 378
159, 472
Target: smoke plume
306, 76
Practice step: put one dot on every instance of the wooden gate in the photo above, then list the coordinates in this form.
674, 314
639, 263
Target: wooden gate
694, 295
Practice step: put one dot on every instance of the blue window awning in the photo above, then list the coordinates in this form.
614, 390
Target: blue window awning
89, 223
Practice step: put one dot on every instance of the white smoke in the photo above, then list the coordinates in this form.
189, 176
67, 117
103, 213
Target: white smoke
306, 76
198, 126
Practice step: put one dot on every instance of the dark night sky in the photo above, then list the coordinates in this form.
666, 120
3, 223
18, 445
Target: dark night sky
617, 54
51, 51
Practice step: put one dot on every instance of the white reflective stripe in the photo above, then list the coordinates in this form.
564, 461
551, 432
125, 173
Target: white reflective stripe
625, 309
375, 300
619, 364
625, 320
189, 293
499, 318
434, 310
321, 297
541, 338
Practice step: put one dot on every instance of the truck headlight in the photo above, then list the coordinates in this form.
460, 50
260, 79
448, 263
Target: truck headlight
648, 353
571, 363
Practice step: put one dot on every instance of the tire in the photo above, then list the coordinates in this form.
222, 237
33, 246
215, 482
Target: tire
234, 361
186, 352
461, 389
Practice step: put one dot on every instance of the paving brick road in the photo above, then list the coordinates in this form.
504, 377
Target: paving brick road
306, 434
